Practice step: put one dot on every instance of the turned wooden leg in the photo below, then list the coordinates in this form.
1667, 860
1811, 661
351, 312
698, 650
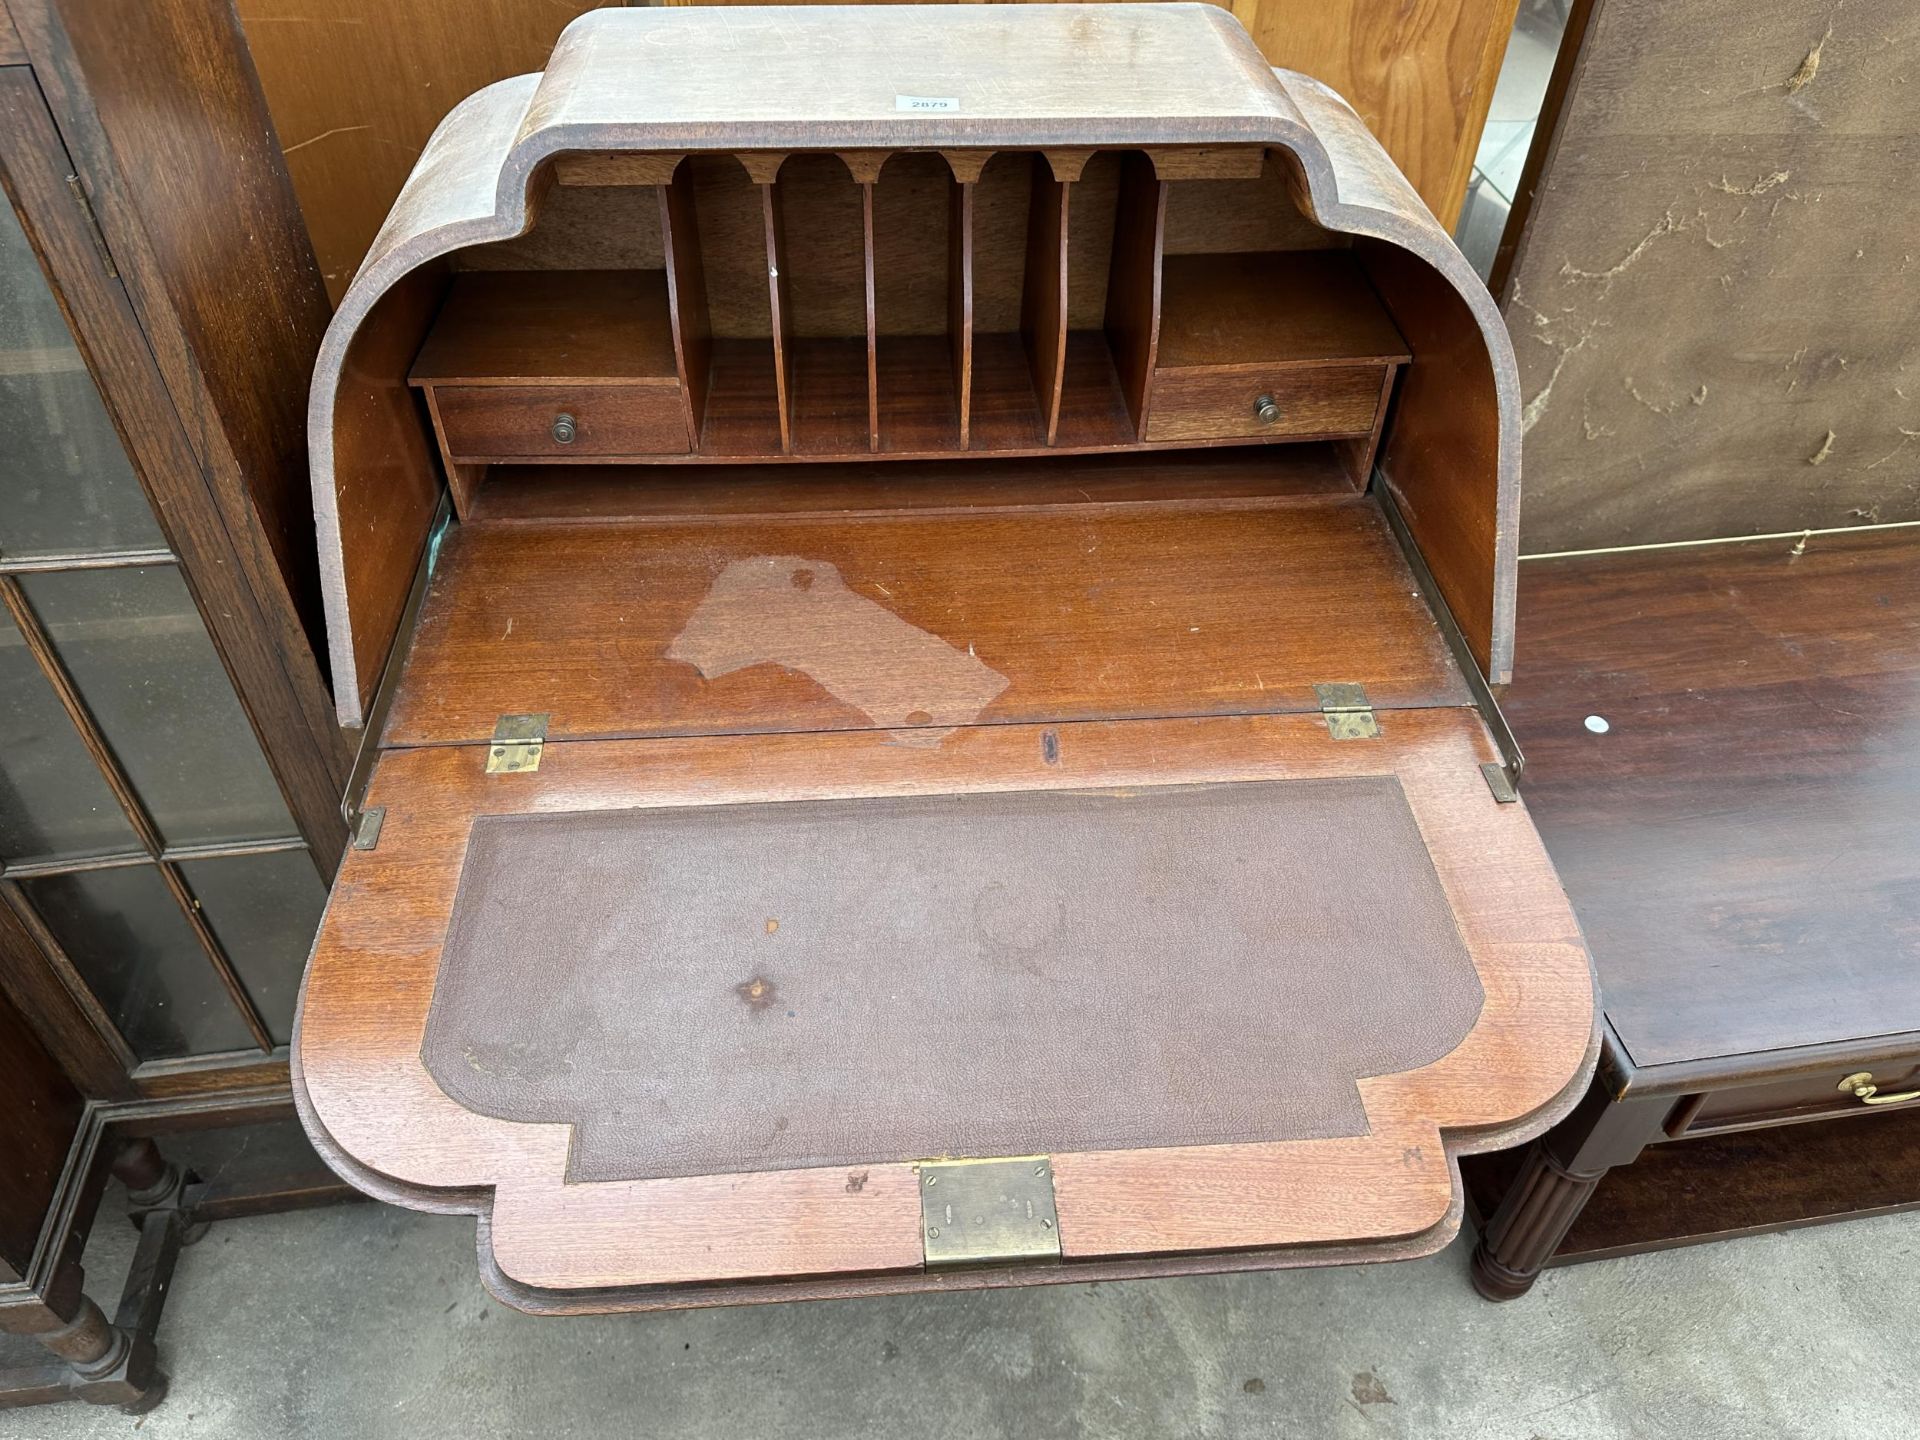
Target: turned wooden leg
151, 1179
1556, 1180
110, 1364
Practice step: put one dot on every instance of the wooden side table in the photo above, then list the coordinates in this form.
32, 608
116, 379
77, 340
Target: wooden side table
1724, 760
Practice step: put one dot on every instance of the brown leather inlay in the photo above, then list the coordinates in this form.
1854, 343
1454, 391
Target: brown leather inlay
772, 986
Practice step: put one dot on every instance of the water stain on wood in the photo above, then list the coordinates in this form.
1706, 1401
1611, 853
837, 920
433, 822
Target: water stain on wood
800, 615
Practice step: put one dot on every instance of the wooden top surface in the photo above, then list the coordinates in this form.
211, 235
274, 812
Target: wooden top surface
1743, 845
372, 981
913, 75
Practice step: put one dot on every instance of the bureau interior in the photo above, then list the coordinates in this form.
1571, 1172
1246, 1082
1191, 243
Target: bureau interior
1098, 424
835, 307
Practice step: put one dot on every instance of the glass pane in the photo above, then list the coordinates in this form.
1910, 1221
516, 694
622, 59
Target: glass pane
1508, 135
265, 909
135, 646
65, 484
53, 803
125, 934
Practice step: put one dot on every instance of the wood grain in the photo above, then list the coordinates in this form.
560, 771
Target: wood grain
372, 979
1222, 402
1141, 611
481, 424
1421, 76
1743, 843
356, 88
1215, 478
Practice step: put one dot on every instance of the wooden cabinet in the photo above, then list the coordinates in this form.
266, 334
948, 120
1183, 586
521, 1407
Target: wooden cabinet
938, 743
1745, 869
169, 790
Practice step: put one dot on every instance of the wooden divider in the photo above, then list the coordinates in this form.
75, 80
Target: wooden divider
687, 312
1043, 302
830, 305
1133, 284
780, 302
960, 299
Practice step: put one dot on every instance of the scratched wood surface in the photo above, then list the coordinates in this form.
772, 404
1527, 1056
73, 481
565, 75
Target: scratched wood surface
1715, 298
372, 978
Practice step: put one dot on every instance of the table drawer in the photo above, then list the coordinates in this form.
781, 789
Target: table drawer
491, 422
1809, 1097
1264, 401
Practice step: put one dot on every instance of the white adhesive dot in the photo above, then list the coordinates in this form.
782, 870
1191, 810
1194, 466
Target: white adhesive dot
1597, 724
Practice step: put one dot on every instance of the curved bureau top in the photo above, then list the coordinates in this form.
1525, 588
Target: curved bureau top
677, 81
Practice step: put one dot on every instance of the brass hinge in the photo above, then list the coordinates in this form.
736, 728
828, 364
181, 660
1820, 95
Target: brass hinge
988, 1212
517, 743
79, 189
1348, 712
1500, 781
366, 827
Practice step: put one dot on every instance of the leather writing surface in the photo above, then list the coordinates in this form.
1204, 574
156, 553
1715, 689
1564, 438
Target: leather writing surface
770, 986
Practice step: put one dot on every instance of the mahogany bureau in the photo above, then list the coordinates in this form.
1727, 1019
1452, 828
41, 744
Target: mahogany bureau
919, 585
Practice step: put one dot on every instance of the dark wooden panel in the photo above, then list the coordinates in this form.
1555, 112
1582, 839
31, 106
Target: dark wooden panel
1728, 1185
1819, 1096
1718, 275
1083, 612
162, 110
37, 1125
208, 396
12, 52
1743, 844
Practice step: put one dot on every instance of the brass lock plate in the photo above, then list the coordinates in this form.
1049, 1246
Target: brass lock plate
987, 1212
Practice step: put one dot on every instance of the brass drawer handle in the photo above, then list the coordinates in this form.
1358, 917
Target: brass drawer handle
563, 429
1267, 409
1862, 1088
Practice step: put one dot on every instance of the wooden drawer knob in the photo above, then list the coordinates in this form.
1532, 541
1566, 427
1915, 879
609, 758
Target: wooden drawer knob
1266, 409
563, 429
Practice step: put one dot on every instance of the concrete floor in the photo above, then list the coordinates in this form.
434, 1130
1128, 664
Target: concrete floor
367, 1322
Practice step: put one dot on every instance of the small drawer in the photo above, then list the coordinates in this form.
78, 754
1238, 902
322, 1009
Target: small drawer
496, 422
1892, 1084
1261, 401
